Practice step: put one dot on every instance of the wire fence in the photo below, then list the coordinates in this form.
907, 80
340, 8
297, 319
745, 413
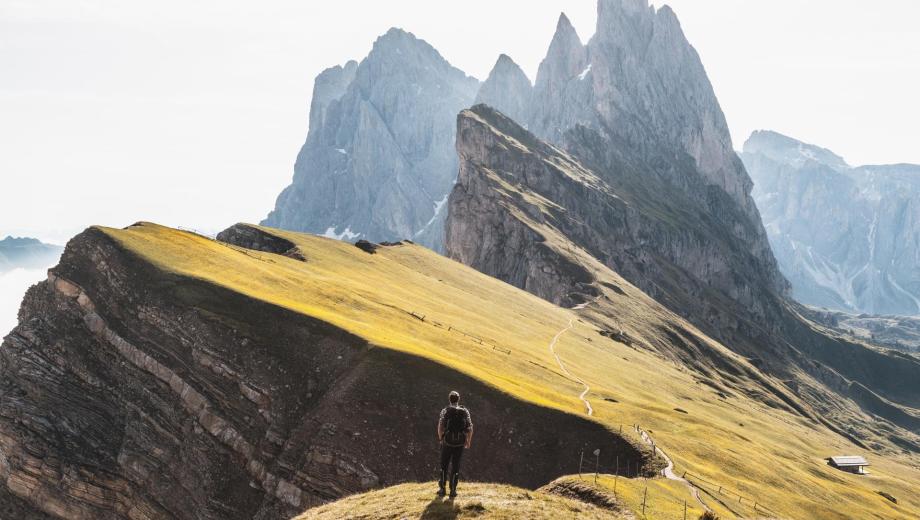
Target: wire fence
715, 489
486, 343
650, 505
654, 505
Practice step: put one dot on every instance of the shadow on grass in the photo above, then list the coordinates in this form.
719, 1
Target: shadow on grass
441, 508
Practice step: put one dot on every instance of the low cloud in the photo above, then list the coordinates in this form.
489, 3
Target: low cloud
13, 286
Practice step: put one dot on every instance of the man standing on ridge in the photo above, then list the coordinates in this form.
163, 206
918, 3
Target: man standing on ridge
455, 432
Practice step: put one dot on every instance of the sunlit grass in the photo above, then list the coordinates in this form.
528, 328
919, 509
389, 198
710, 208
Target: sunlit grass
484, 501
769, 455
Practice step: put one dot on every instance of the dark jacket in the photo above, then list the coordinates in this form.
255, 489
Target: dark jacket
465, 415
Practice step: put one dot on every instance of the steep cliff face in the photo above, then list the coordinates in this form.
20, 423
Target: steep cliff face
562, 90
640, 83
846, 237
635, 105
149, 378
378, 162
533, 215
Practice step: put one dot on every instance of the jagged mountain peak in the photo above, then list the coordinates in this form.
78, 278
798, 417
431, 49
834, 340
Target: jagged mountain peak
558, 104
506, 65
507, 88
396, 36
400, 48
563, 24
565, 37
606, 7
378, 162
624, 16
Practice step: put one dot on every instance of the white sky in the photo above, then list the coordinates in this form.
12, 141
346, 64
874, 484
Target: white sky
191, 113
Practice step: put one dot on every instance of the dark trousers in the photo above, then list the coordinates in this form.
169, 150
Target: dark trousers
450, 456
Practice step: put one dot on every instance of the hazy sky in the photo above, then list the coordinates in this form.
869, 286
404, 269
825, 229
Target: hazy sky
191, 113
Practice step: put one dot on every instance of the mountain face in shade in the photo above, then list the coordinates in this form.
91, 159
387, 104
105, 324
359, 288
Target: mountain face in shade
636, 106
26, 253
378, 162
846, 237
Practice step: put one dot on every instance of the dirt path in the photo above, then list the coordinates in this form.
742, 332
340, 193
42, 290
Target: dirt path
668, 471
552, 349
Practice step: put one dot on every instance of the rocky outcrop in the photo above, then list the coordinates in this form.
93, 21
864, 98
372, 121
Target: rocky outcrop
27, 253
131, 391
378, 162
250, 237
846, 237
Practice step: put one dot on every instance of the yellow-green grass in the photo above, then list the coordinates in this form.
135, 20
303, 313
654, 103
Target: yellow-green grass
766, 454
476, 500
664, 499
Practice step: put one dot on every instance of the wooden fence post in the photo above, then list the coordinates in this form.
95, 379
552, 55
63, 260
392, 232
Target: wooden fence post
597, 463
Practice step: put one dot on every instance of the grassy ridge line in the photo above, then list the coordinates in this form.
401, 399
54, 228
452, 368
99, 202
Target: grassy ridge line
483, 501
372, 296
760, 451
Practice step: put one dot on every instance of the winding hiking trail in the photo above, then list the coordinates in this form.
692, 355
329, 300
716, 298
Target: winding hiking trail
552, 349
668, 471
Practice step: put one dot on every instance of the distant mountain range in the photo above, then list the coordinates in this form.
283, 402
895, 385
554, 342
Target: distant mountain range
848, 238
27, 253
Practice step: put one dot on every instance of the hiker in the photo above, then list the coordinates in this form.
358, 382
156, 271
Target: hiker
455, 432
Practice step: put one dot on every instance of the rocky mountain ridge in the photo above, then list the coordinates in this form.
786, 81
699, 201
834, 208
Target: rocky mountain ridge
634, 105
846, 237
378, 161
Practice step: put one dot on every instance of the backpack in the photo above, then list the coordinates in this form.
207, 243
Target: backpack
456, 424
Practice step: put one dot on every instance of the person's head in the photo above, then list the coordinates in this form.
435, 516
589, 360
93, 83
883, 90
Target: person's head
454, 397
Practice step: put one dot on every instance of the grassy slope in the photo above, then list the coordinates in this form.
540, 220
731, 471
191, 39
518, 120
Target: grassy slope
775, 457
492, 501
